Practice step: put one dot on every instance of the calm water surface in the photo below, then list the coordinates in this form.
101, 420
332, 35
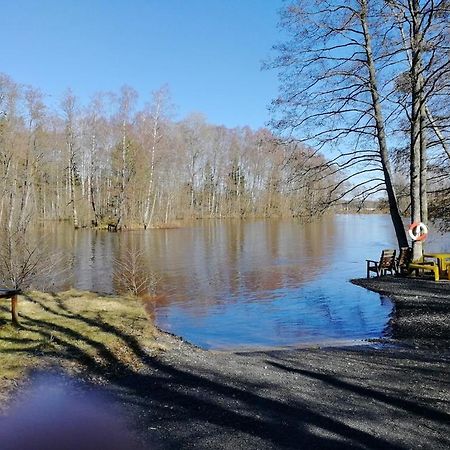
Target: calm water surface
234, 284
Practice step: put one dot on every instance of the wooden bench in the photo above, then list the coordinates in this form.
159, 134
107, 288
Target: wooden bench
424, 267
12, 294
384, 265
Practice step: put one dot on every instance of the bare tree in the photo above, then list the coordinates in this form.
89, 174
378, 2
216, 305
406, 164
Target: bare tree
155, 118
330, 95
423, 28
127, 101
26, 261
131, 275
68, 107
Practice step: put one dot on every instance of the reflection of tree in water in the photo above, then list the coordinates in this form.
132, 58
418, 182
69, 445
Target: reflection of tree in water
236, 261
294, 254
215, 263
236, 277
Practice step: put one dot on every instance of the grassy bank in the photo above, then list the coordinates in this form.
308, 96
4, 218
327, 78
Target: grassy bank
81, 332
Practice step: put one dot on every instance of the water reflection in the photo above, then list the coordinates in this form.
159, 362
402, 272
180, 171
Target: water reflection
248, 283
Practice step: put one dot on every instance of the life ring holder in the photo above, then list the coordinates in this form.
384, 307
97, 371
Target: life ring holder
418, 231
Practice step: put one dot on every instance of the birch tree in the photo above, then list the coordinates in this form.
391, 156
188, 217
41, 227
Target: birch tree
127, 102
68, 106
157, 114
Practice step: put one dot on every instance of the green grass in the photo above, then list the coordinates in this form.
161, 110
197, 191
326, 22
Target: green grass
80, 332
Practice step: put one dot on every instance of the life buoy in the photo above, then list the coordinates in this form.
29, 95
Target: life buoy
418, 231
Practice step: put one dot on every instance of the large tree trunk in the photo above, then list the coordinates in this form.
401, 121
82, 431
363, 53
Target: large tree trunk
14, 313
423, 165
418, 167
381, 134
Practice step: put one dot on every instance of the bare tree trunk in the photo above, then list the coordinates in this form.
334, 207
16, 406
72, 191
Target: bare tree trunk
14, 313
423, 165
68, 106
417, 150
147, 219
381, 134
122, 177
25, 195
167, 208
72, 190
152, 211
91, 191
11, 210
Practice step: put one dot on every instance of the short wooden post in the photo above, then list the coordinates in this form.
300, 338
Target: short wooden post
14, 314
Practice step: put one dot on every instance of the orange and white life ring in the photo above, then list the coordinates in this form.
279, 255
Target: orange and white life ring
418, 231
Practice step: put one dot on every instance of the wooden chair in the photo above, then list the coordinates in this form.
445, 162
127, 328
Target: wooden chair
384, 265
403, 261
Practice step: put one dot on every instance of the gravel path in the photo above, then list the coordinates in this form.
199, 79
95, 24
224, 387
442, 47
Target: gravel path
421, 314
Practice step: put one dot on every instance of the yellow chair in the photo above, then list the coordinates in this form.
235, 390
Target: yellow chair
428, 266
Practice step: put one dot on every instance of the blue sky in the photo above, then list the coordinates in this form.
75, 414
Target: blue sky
208, 51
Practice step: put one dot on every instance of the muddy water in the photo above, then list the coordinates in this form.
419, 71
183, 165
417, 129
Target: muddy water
234, 284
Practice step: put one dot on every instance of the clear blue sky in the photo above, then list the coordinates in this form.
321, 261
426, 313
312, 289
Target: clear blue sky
208, 51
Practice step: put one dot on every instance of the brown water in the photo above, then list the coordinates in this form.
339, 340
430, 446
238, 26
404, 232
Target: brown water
234, 284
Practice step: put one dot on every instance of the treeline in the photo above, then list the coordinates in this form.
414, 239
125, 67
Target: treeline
109, 163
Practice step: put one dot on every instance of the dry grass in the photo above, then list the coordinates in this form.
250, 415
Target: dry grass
78, 331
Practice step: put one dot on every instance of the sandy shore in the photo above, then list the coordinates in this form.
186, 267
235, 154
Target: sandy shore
390, 395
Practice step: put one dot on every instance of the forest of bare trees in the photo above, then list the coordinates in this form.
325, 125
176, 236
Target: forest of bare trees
110, 163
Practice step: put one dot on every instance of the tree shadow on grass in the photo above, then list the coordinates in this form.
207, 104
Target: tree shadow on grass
198, 404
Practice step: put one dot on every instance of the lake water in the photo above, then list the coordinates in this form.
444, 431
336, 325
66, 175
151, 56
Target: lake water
246, 284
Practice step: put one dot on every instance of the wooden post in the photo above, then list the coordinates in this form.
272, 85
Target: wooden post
14, 314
